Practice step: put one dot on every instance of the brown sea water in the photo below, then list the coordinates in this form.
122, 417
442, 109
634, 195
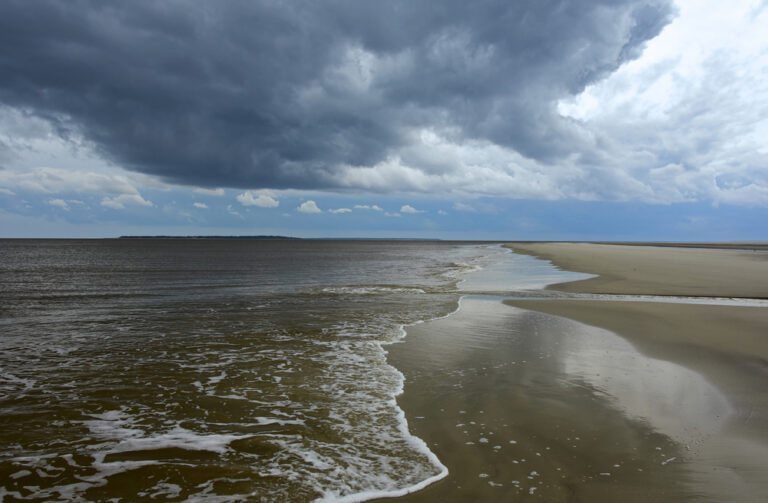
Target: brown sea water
213, 370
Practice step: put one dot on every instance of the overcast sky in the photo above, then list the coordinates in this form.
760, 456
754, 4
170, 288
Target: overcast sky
526, 119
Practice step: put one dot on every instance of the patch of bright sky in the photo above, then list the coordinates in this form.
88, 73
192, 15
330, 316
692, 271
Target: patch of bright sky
680, 58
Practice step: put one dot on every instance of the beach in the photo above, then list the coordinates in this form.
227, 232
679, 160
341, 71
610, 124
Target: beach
644, 396
248, 370
658, 270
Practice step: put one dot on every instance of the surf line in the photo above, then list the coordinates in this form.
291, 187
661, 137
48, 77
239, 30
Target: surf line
417, 443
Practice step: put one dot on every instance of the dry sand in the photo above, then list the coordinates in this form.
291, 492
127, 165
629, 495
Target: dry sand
657, 270
541, 400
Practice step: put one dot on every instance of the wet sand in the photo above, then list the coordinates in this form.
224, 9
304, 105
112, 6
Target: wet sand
728, 345
515, 404
574, 400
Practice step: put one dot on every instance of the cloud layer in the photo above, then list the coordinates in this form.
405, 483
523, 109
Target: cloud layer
313, 95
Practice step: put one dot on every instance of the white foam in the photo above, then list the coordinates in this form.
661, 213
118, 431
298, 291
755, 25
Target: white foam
347, 483
73, 491
114, 427
263, 421
371, 290
181, 438
217, 379
162, 489
233, 397
415, 442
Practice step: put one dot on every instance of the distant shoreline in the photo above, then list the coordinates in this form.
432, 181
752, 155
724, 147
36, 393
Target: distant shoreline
282, 237
207, 237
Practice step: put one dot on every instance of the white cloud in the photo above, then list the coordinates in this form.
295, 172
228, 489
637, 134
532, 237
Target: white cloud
59, 203
309, 207
368, 207
442, 212
120, 202
407, 208
56, 180
388, 214
210, 192
121, 188
464, 207
473, 167
688, 120
200, 205
44, 161
232, 211
340, 210
263, 199
7, 191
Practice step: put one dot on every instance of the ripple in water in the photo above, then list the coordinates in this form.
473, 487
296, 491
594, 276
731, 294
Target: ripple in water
213, 370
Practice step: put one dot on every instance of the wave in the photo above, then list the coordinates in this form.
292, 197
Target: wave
371, 289
285, 394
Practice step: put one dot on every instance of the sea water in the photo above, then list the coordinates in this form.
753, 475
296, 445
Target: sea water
214, 370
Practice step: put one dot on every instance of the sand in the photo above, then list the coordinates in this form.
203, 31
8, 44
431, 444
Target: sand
656, 270
584, 400
728, 345
497, 394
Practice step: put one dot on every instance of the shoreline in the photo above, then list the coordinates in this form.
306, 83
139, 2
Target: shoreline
470, 363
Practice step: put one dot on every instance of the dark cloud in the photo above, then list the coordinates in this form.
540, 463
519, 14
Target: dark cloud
280, 94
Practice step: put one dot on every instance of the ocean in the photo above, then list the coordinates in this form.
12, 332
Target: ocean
218, 370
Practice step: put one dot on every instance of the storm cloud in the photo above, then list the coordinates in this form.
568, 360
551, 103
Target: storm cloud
315, 95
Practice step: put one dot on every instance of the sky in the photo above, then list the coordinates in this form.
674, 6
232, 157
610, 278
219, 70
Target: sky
498, 120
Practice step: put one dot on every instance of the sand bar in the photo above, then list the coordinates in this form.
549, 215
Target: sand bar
657, 270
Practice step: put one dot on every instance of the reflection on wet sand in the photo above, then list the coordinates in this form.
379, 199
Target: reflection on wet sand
519, 404
673, 400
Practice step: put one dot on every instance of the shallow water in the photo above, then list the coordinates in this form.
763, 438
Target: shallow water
212, 370
516, 273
